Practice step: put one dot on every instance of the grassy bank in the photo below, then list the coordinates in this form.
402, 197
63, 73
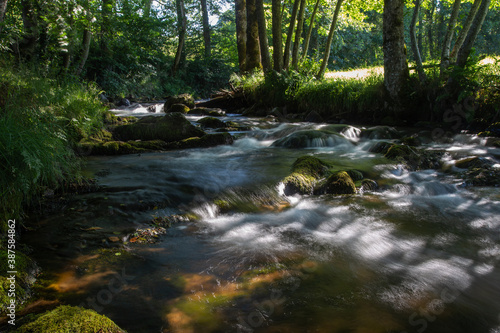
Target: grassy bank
474, 95
41, 119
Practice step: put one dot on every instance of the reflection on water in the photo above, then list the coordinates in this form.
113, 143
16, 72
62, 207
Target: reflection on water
420, 254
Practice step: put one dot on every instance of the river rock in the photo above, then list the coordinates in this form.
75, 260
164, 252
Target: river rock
306, 171
380, 132
180, 108
208, 140
212, 112
211, 122
339, 183
471, 162
311, 138
482, 177
171, 127
185, 99
368, 185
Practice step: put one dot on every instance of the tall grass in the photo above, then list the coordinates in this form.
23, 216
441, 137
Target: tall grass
40, 121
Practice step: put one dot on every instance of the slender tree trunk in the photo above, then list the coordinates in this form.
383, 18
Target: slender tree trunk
3, 9
430, 25
465, 30
29, 42
309, 31
420, 36
264, 44
395, 66
241, 33
181, 28
298, 35
206, 29
445, 52
277, 38
464, 52
326, 55
253, 46
106, 12
87, 37
147, 7
291, 27
414, 46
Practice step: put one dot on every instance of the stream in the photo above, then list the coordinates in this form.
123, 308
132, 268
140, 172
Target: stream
420, 253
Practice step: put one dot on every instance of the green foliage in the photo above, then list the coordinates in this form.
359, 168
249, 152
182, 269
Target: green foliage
40, 121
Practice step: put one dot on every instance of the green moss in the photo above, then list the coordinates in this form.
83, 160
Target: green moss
169, 128
466, 163
411, 141
208, 140
70, 319
339, 183
181, 108
26, 276
185, 99
211, 122
309, 165
355, 174
111, 148
299, 183
399, 152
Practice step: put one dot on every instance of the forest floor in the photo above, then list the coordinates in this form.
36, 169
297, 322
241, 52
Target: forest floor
355, 73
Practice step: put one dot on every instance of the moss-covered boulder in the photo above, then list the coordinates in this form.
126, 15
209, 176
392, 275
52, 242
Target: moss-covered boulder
26, 276
380, 147
311, 138
169, 128
212, 112
208, 140
306, 171
355, 174
211, 122
64, 319
180, 108
380, 133
185, 99
413, 158
338, 183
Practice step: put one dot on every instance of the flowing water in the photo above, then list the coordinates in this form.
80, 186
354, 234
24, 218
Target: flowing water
420, 254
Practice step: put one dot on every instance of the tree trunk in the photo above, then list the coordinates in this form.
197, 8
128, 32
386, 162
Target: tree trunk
29, 42
147, 7
291, 27
241, 33
87, 36
464, 52
326, 56
445, 52
206, 29
181, 28
253, 46
264, 44
420, 37
277, 38
465, 30
3, 9
395, 66
298, 35
430, 24
106, 12
309, 31
414, 46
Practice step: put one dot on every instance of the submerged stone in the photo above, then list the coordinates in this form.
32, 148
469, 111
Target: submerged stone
208, 140
311, 138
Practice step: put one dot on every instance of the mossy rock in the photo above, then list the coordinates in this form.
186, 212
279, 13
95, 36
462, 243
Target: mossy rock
471, 162
169, 128
185, 99
411, 141
211, 122
101, 135
355, 174
109, 148
380, 133
396, 152
310, 166
207, 112
208, 140
110, 118
180, 108
339, 183
64, 319
311, 138
263, 199
299, 183
380, 147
